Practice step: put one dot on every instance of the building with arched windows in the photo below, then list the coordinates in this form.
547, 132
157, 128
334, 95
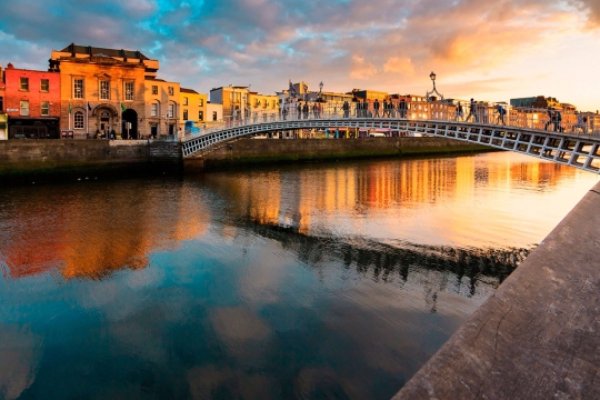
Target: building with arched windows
162, 108
102, 91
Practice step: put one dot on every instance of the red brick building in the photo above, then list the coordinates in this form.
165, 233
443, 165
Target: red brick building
32, 102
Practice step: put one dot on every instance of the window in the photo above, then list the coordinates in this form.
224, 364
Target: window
78, 88
104, 90
185, 115
201, 103
201, 115
44, 85
78, 120
171, 91
129, 90
1, 103
45, 108
171, 111
154, 89
214, 115
154, 110
24, 108
25, 84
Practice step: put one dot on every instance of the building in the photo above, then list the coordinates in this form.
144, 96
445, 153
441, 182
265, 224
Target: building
162, 108
234, 100
369, 95
192, 107
32, 103
262, 107
102, 90
214, 114
330, 102
534, 112
202, 108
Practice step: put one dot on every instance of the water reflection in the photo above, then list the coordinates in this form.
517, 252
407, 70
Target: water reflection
91, 230
475, 201
321, 281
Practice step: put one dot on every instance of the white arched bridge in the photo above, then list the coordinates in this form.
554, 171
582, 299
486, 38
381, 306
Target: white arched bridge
578, 150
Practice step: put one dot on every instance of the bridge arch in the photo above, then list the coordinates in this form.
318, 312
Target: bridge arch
582, 152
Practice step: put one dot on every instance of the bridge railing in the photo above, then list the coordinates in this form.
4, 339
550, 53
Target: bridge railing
528, 118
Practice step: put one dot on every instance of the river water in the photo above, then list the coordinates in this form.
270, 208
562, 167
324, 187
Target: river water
308, 281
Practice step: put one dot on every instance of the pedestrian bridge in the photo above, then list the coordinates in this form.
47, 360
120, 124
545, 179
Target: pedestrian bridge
578, 150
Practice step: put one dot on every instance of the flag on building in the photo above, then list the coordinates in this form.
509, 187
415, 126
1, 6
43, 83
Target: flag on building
69, 107
123, 107
89, 107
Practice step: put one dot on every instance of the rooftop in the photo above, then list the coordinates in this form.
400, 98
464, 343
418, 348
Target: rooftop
99, 51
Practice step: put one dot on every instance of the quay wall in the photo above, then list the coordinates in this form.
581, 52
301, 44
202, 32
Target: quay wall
538, 335
38, 159
254, 151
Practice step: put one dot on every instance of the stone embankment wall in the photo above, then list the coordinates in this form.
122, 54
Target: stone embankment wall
30, 159
538, 336
37, 159
248, 151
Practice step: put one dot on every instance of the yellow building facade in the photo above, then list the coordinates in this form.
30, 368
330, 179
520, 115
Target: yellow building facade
102, 91
262, 107
191, 109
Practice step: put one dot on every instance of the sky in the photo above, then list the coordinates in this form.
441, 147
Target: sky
489, 50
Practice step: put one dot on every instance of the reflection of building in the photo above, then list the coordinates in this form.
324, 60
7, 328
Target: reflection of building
32, 103
102, 90
162, 107
93, 245
3, 116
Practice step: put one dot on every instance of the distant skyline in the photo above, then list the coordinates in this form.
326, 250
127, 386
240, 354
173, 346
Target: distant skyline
486, 50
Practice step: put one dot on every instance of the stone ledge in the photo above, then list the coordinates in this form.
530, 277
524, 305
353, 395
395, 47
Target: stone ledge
538, 336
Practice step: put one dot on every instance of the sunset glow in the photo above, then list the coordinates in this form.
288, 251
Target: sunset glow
487, 50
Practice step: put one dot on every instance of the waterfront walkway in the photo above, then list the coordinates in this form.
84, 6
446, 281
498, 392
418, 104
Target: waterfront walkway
538, 336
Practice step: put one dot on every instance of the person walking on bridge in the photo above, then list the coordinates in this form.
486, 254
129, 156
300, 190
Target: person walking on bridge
550, 118
346, 108
501, 113
472, 111
459, 112
305, 110
376, 108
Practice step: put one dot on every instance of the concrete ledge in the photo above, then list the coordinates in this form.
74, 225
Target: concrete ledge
538, 336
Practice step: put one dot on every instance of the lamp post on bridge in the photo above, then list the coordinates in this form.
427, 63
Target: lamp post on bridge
429, 94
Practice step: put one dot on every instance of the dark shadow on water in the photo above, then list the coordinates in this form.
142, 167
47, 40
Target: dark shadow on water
384, 262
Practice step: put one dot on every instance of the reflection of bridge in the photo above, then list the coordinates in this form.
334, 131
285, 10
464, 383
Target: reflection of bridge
580, 151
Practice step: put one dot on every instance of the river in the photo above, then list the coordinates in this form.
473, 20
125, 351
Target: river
325, 280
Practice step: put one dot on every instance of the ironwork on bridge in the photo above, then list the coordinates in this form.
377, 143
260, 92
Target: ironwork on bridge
580, 151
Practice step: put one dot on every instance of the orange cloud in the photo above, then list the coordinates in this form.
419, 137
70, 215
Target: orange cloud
362, 69
399, 64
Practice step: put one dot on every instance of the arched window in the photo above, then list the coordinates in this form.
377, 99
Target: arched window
154, 109
171, 110
78, 120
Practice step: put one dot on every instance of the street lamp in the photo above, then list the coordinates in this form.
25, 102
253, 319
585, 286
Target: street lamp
320, 88
429, 94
